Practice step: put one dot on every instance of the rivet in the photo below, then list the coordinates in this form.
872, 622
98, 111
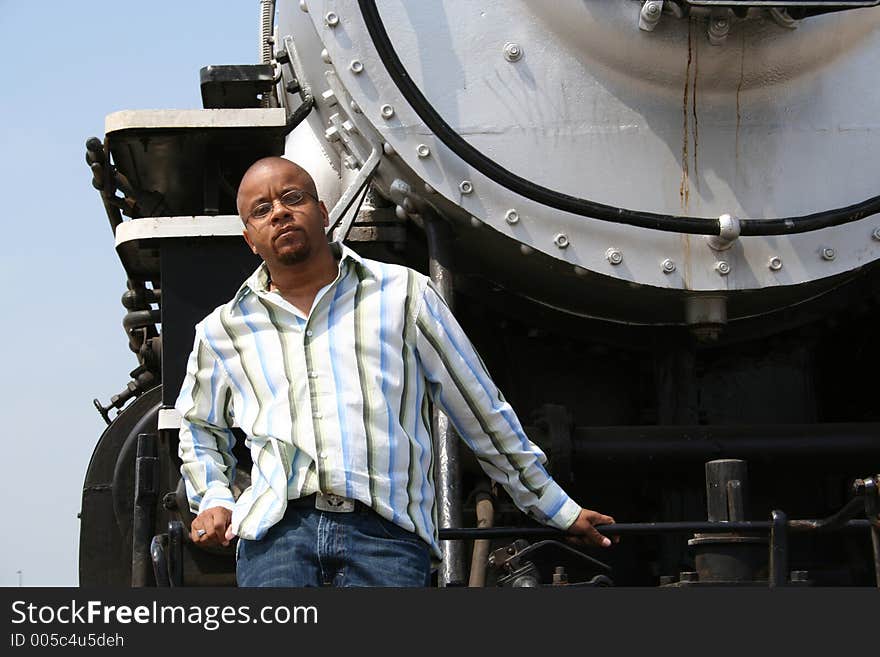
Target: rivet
325, 56
387, 111
511, 216
561, 240
614, 256
408, 204
331, 19
667, 266
303, 6
580, 271
512, 52
526, 250
422, 150
356, 66
476, 223
355, 107
775, 263
388, 149
400, 213
466, 186
876, 233
429, 189
722, 267
828, 253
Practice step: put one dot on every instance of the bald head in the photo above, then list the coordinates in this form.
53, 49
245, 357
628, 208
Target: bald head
265, 171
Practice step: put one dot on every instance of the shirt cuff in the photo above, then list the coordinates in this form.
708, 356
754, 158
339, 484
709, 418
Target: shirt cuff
217, 497
566, 515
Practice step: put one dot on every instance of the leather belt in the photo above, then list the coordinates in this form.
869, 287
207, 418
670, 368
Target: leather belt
329, 502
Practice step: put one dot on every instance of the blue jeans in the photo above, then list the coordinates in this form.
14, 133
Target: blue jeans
308, 547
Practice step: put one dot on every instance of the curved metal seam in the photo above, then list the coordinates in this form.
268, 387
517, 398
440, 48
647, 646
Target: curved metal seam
567, 203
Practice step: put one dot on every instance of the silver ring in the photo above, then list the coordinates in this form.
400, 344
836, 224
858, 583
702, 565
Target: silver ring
201, 532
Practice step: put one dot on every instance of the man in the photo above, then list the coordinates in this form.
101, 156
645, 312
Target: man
328, 362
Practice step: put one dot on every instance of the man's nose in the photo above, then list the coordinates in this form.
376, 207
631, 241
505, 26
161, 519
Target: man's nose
279, 211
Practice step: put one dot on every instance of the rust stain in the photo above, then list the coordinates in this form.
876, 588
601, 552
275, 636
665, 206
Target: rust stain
739, 86
684, 188
695, 130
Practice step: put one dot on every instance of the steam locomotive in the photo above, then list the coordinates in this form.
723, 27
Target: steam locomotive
656, 220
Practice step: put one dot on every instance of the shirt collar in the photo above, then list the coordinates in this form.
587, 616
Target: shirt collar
259, 280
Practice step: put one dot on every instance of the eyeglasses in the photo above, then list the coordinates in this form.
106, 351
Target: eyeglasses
289, 199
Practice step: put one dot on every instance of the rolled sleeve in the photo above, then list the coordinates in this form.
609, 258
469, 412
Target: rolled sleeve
206, 439
461, 387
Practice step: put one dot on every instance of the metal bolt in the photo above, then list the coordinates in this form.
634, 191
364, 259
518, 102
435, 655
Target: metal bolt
388, 149
828, 253
721, 23
400, 212
331, 19
722, 267
526, 250
350, 162
775, 263
429, 189
876, 233
614, 256
355, 107
561, 240
512, 52
511, 216
652, 8
476, 223
466, 186
422, 150
356, 66
387, 111
325, 56
667, 266
329, 97
303, 6
580, 271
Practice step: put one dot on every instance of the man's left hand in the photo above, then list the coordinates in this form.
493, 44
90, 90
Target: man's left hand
583, 529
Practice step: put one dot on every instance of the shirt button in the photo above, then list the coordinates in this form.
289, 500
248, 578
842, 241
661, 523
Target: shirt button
313, 375
309, 333
317, 416
323, 455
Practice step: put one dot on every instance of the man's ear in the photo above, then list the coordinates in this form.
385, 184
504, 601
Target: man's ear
247, 238
324, 212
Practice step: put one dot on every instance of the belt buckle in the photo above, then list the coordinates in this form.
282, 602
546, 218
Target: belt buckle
333, 503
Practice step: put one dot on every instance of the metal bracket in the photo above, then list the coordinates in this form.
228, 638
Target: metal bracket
348, 196
649, 15
730, 230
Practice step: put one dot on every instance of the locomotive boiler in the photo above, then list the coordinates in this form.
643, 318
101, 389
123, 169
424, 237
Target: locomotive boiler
656, 220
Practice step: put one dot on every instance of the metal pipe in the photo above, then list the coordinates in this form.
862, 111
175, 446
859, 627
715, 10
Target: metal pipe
627, 529
480, 554
778, 549
448, 467
146, 489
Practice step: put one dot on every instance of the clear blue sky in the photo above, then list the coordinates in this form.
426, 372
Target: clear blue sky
65, 66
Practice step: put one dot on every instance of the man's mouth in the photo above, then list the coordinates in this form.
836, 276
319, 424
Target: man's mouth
286, 232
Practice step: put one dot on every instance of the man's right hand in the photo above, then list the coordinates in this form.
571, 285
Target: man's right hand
215, 525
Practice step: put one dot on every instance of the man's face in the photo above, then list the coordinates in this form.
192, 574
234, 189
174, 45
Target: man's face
287, 235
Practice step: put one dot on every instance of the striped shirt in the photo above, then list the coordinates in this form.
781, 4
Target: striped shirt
339, 401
